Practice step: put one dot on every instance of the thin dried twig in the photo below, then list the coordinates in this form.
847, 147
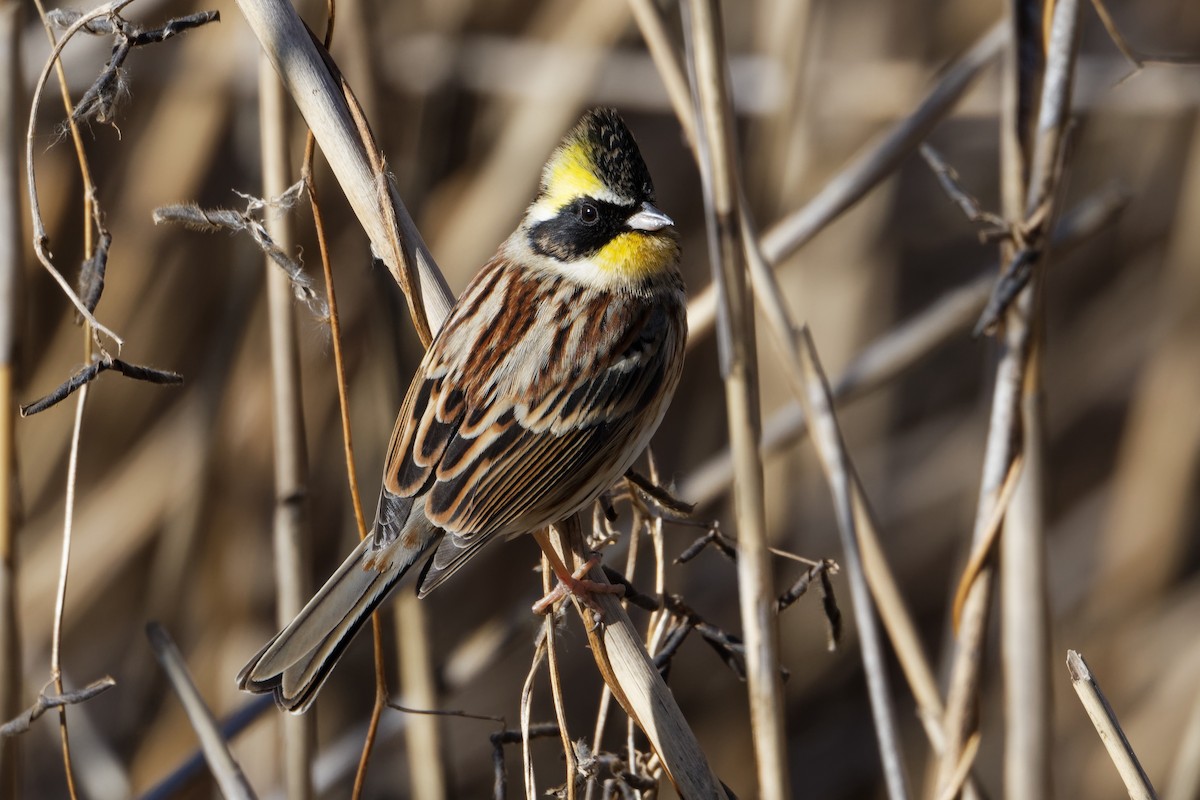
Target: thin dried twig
45, 702
60, 595
100, 101
40, 238
86, 375
948, 178
556, 684
527, 734
1105, 720
541, 730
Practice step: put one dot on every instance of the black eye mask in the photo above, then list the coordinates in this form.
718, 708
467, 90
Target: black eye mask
568, 236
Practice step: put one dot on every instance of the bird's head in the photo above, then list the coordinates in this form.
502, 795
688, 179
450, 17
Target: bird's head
594, 216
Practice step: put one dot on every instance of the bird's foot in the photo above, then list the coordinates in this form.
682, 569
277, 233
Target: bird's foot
583, 588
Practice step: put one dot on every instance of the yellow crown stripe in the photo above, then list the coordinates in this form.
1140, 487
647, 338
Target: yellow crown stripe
571, 175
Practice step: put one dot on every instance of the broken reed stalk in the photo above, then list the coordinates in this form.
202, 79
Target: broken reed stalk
225, 769
11, 259
1007, 430
704, 35
323, 103
290, 528
1137, 783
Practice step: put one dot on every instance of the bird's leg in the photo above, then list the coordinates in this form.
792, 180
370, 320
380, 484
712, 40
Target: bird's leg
573, 583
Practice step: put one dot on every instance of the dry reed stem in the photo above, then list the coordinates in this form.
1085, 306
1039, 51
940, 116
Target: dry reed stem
325, 102
418, 686
225, 769
899, 623
704, 35
1014, 375
10, 286
868, 169
291, 523
1137, 783
1025, 612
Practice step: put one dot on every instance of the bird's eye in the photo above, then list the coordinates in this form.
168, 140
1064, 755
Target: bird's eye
588, 213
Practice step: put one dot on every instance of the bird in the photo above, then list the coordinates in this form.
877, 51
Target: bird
544, 384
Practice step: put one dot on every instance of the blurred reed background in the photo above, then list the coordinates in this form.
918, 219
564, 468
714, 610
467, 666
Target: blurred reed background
176, 488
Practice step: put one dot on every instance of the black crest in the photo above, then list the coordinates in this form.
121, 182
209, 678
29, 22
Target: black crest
615, 153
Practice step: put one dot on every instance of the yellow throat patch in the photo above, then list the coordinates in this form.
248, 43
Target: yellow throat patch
631, 256
635, 256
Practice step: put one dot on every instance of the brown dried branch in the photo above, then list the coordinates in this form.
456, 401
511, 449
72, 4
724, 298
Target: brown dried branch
100, 101
89, 373
45, 702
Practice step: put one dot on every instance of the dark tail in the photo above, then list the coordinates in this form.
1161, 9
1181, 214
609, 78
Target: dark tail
297, 661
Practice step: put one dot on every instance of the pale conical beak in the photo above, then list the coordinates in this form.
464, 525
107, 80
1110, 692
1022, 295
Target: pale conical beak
649, 218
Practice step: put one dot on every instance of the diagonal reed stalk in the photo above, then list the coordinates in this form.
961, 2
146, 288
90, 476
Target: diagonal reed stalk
225, 768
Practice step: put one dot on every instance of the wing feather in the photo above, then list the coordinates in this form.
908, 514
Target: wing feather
501, 443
